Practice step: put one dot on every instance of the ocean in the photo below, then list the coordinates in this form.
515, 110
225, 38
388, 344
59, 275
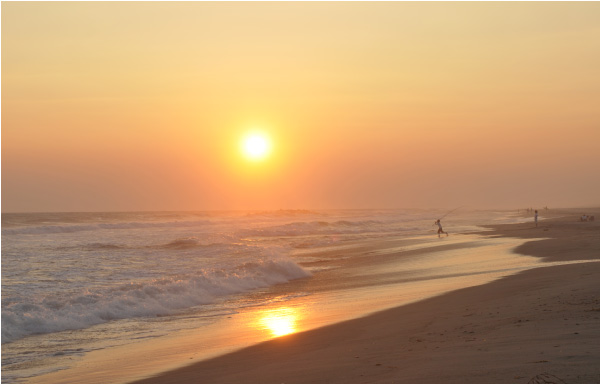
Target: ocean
78, 283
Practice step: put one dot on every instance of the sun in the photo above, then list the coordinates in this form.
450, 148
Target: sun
256, 146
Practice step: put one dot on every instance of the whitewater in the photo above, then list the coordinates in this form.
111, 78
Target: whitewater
79, 282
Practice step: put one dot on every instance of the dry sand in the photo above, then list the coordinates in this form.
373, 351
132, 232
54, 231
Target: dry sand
545, 320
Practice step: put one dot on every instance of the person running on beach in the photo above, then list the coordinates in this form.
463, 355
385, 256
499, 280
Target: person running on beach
536, 217
440, 230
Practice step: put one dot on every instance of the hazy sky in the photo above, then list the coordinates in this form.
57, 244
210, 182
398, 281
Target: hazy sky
142, 106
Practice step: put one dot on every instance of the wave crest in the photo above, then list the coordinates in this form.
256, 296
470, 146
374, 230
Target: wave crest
159, 297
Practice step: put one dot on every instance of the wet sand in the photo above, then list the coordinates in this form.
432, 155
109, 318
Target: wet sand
545, 320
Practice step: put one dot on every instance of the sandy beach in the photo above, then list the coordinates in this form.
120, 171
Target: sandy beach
544, 321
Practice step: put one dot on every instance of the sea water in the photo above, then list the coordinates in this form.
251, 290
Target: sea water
73, 283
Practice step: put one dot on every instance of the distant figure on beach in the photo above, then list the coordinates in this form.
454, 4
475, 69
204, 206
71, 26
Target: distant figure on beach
440, 230
536, 215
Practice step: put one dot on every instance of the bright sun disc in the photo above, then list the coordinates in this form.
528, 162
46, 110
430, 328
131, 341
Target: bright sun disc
256, 146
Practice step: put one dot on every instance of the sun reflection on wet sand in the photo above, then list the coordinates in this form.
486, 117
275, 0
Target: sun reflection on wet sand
280, 321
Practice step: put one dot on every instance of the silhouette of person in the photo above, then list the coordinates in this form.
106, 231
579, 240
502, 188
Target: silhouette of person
440, 230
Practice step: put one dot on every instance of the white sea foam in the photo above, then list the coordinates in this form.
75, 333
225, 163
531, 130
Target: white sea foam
52, 313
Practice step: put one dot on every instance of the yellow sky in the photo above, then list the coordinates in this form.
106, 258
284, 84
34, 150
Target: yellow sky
141, 106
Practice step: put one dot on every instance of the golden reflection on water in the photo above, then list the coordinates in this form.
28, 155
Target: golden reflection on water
279, 321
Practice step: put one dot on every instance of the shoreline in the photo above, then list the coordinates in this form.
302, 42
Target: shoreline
543, 320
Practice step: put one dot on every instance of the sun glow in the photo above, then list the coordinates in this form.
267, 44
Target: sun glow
256, 146
280, 322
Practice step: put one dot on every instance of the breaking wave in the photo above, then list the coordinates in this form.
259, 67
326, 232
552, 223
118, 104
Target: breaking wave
158, 297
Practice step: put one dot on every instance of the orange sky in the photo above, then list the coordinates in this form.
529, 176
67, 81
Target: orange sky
141, 106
